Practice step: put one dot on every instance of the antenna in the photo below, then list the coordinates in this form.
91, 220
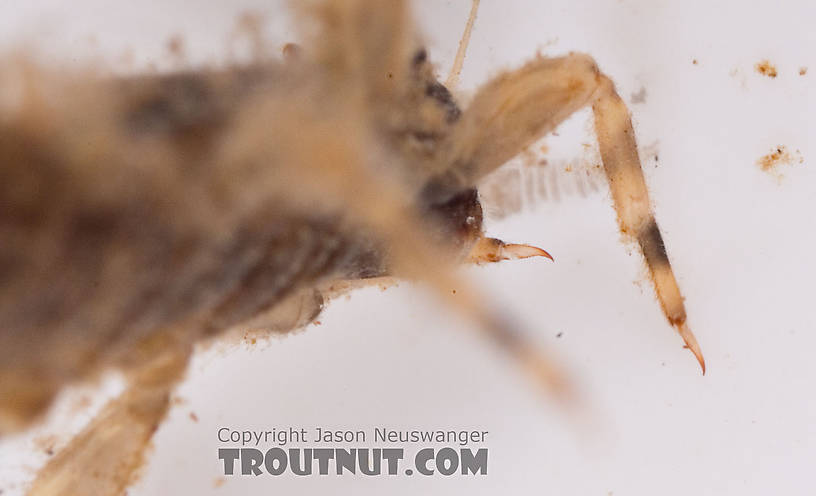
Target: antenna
456, 70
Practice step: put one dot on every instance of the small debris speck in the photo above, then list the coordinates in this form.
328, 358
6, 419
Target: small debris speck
766, 69
640, 96
559, 334
779, 156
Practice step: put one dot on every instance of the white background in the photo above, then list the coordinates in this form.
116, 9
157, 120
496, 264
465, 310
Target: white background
741, 241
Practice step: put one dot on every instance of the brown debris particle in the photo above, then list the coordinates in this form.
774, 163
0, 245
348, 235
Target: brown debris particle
650, 151
802, 71
292, 51
46, 444
193, 417
80, 403
175, 45
175, 49
694, 61
779, 156
766, 68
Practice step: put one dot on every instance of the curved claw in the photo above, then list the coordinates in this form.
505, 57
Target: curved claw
489, 250
691, 343
516, 251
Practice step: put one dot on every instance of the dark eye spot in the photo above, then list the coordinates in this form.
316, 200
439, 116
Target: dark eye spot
441, 94
420, 57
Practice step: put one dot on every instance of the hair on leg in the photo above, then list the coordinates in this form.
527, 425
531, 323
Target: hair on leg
635, 215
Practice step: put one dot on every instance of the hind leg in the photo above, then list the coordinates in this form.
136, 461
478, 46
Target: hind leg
105, 458
517, 108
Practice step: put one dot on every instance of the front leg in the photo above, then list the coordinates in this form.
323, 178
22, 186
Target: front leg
517, 108
625, 175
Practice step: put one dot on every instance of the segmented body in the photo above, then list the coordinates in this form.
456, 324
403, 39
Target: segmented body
101, 261
140, 215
